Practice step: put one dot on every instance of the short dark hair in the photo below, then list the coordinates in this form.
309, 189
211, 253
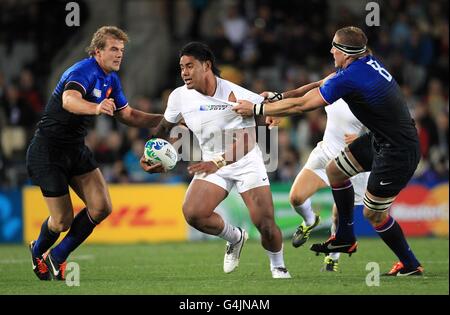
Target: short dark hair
201, 52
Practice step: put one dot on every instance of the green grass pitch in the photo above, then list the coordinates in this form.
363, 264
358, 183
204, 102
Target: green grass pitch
195, 268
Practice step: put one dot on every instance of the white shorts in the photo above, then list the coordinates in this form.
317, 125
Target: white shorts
247, 173
317, 162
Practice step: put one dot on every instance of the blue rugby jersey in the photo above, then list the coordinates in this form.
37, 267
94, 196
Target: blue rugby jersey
375, 98
95, 85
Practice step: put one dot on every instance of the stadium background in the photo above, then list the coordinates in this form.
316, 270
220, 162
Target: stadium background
263, 45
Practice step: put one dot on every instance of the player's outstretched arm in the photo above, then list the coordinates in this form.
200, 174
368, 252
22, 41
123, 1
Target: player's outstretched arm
295, 106
298, 92
285, 107
301, 90
136, 118
73, 102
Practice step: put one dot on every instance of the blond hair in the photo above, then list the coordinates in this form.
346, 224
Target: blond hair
352, 36
99, 38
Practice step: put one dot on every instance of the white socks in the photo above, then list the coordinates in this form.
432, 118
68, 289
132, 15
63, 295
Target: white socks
333, 228
230, 233
334, 256
306, 212
276, 259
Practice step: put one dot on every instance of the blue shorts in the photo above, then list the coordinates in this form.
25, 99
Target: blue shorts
51, 167
391, 167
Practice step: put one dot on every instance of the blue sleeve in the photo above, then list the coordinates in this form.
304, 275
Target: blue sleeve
336, 87
79, 78
117, 94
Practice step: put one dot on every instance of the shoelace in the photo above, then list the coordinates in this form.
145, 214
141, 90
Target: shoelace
308, 232
42, 267
300, 229
229, 248
396, 268
282, 269
333, 265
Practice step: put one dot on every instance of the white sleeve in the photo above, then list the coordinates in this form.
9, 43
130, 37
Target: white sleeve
173, 112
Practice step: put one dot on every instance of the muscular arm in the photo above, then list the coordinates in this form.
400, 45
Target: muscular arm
305, 88
288, 105
73, 102
162, 130
136, 118
301, 90
295, 106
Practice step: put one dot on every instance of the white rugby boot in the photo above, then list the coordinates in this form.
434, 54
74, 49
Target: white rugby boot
233, 253
280, 273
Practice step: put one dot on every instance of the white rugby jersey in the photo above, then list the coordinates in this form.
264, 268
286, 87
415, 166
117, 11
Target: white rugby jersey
209, 117
340, 121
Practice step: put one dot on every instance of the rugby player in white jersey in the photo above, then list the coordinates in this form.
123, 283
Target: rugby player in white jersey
205, 103
341, 129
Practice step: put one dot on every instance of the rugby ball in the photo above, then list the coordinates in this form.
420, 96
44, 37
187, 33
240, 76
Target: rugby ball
160, 151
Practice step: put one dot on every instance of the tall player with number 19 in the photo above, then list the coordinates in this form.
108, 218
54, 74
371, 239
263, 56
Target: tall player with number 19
390, 151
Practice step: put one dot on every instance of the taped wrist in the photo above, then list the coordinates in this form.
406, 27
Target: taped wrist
275, 96
258, 109
219, 161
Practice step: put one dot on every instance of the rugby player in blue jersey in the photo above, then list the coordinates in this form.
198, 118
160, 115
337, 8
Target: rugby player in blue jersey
58, 158
390, 150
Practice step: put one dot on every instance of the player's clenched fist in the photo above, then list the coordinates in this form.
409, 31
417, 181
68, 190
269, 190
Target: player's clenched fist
106, 106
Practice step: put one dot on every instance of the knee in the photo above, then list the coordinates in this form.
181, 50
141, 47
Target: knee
59, 225
331, 171
192, 220
101, 211
296, 199
374, 217
190, 216
267, 228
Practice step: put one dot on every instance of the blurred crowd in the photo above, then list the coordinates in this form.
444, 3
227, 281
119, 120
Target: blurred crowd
262, 45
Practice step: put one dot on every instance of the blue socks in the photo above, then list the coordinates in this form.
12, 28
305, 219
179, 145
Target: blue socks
344, 197
391, 233
82, 227
45, 240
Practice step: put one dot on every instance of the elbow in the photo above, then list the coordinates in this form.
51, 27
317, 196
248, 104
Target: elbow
66, 102
125, 116
157, 121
